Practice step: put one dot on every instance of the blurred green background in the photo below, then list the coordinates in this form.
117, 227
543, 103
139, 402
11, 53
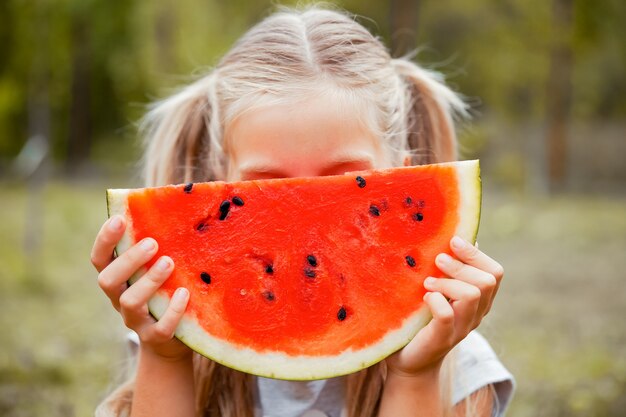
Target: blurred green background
546, 79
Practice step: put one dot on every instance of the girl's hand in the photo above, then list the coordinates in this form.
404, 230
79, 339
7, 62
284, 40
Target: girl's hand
472, 283
131, 302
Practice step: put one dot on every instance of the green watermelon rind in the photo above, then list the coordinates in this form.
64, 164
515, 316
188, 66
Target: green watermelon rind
282, 366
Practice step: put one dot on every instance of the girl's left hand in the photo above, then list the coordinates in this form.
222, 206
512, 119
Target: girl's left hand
472, 282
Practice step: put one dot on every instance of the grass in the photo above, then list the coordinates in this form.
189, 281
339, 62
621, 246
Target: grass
60, 349
557, 322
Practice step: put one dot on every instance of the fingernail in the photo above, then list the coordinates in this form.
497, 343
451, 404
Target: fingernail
163, 264
180, 295
458, 243
115, 223
147, 244
443, 259
429, 282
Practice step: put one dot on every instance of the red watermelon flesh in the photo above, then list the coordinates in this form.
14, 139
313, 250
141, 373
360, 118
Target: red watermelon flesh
304, 278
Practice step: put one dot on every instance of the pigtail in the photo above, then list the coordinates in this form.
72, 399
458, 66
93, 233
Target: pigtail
117, 403
182, 136
364, 390
430, 107
221, 391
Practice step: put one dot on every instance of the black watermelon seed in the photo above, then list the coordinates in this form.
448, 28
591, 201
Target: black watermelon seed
360, 181
237, 201
374, 211
269, 296
408, 201
205, 277
311, 260
188, 187
418, 217
309, 272
410, 261
269, 269
202, 226
342, 313
224, 207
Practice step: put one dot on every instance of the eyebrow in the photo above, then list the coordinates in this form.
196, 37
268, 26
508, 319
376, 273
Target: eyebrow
259, 166
350, 157
263, 166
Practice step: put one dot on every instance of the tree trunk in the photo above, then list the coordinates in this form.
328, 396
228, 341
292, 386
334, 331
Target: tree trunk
164, 30
79, 139
403, 26
559, 93
38, 140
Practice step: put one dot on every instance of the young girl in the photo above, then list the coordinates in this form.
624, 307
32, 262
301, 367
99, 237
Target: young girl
301, 94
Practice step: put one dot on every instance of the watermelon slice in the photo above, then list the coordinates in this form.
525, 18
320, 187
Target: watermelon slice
304, 278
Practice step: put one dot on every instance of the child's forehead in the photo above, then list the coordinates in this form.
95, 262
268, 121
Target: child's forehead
289, 135
294, 123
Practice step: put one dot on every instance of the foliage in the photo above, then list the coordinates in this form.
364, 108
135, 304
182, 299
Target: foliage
120, 55
60, 349
556, 322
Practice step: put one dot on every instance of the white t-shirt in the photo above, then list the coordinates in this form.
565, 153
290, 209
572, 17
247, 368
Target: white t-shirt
476, 366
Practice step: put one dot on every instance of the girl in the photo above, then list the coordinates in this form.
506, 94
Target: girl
301, 94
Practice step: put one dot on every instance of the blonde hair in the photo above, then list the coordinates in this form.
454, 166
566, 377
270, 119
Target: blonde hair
290, 56
293, 54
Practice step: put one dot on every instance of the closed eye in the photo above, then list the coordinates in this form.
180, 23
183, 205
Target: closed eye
261, 175
343, 167
336, 165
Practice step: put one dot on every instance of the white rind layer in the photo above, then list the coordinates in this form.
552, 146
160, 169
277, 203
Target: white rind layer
470, 186
117, 203
280, 365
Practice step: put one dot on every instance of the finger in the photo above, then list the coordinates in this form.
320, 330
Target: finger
440, 331
471, 255
163, 330
133, 302
465, 299
484, 281
109, 235
114, 294
124, 266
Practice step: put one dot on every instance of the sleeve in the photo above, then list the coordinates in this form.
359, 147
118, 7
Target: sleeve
132, 338
477, 366
132, 344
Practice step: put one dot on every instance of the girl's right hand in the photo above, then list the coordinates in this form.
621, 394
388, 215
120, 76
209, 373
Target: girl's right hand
131, 302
